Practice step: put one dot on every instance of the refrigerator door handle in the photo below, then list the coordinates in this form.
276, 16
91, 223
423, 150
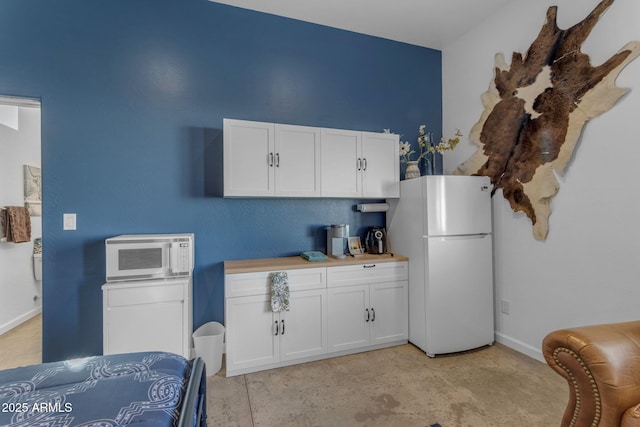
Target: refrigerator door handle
463, 236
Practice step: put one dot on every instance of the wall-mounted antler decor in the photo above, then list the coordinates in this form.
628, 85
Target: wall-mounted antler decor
534, 112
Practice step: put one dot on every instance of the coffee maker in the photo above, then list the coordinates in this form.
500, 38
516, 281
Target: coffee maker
376, 242
337, 238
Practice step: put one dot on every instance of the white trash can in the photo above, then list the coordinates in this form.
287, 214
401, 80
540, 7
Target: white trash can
208, 344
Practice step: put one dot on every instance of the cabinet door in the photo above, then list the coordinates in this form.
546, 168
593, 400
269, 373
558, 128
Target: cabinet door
381, 165
249, 158
297, 161
145, 327
147, 316
251, 339
349, 317
389, 305
340, 163
303, 329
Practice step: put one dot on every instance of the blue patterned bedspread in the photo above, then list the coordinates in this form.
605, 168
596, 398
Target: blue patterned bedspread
144, 389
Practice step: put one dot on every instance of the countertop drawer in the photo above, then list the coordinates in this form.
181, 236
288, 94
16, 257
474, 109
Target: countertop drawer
367, 273
245, 284
132, 295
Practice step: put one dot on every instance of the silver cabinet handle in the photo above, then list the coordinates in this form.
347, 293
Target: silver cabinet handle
369, 266
277, 160
270, 159
368, 314
364, 161
359, 163
373, 316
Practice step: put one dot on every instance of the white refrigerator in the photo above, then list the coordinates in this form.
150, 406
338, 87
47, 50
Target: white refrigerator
443, 224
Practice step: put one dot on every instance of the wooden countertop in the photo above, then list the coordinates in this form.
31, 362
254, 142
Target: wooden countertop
295, 262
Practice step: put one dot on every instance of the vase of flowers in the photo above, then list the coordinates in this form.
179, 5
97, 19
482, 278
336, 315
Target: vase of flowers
412, 171
444, 145
427, 151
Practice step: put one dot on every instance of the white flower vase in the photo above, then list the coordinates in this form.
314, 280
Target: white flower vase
412, 171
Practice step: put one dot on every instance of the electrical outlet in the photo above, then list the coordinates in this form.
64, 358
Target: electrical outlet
505, 306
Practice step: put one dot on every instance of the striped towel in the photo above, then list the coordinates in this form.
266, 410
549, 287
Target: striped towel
279, 291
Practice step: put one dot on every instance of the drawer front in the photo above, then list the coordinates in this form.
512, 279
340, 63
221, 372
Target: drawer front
363, 274
117, 296
245, 284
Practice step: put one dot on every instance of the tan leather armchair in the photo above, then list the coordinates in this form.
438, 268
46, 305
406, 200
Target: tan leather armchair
601, 363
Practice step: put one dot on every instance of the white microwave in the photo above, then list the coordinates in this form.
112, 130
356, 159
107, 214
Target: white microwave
149, 256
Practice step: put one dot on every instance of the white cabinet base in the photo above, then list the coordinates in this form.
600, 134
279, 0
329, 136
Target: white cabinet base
147, 315
234, 372
337, 308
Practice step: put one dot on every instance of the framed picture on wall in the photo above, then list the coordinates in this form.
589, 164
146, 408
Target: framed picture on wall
32, 190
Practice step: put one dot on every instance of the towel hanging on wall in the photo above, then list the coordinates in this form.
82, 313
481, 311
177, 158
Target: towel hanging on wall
16, 224
279, 291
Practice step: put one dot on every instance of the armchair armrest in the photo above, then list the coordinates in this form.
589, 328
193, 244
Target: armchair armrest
631, 417
601, 363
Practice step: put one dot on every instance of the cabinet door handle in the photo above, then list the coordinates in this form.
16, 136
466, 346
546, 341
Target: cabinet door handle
277, 160
369, 266
276, 328
373, 317
282, 321
270, 160
364, 164
359, 163
368, 314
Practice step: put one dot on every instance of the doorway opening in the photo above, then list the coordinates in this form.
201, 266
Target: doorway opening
21, 245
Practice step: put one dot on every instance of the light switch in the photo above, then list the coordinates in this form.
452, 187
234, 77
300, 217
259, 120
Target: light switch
69, 221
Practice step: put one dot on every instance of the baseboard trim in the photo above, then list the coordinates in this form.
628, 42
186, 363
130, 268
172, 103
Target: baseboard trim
20, 319
520, 346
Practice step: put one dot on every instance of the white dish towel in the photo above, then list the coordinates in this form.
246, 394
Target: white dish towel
279, 291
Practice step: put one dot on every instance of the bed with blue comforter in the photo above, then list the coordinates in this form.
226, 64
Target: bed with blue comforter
153, 389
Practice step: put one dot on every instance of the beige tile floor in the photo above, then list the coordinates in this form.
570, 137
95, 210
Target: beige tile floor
399, 386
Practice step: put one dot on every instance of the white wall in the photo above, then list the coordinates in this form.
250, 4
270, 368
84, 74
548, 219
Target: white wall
17, 284
588, 269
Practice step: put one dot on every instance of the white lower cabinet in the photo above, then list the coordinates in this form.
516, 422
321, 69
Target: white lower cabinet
249, 333
256, 336
303, 329
363, 315
346, 317
147, 315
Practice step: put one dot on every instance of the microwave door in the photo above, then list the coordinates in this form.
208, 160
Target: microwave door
137, 261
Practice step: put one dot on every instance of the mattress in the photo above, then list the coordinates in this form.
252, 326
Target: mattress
145, 389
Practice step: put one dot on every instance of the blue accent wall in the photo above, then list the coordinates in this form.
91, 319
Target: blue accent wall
133, 96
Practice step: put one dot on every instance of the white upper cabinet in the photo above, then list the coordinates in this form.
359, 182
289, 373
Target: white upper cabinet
360, 164
268, 159
341, 162
248, 158
297, 169
380, 165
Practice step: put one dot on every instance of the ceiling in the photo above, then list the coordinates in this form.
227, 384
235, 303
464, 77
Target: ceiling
428, 23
